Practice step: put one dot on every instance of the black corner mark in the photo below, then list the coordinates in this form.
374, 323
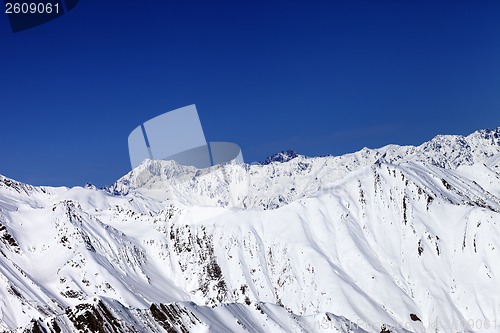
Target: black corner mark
26, 14
70, 4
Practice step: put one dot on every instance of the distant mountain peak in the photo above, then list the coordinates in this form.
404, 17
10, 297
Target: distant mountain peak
281, 157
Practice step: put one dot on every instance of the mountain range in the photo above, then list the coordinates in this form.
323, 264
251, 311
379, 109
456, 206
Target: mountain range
394, 239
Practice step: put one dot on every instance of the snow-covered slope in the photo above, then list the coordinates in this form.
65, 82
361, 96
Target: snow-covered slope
390, 239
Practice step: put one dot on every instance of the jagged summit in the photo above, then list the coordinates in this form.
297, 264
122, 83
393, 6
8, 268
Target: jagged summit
395, 239
281, 157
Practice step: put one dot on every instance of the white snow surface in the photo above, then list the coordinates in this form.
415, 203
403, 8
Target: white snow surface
351, 243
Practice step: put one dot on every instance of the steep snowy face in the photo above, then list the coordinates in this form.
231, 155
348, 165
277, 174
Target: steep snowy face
390, 239
451, 151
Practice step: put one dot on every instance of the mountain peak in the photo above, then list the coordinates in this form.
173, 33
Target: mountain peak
281, 157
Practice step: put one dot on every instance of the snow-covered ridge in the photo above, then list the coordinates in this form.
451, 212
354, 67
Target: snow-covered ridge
394, 239
276, 183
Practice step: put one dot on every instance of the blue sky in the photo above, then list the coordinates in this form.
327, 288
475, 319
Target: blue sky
325, 77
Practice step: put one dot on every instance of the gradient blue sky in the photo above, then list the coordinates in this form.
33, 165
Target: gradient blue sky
326, 77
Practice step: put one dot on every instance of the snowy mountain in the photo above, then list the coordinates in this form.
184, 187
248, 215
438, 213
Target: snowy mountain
281, 157
395, 239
